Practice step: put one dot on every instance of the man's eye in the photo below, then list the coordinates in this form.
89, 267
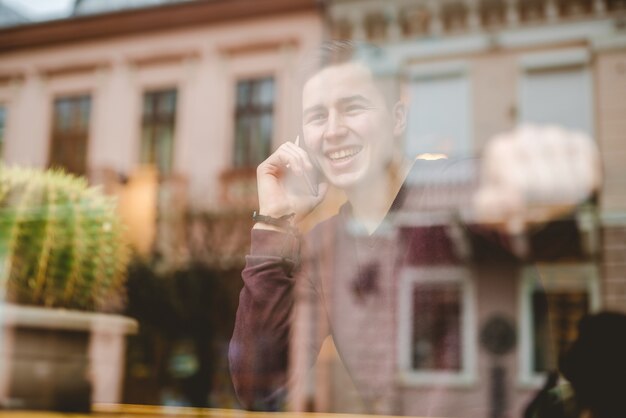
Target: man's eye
316, 117
354, 108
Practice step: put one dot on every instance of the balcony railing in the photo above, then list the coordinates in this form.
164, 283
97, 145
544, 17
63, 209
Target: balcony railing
378, 21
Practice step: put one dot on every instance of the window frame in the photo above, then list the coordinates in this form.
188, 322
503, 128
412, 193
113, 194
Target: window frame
408, 376
174, 119
560, 276
457, 70
53, 138
252, 110
554, 61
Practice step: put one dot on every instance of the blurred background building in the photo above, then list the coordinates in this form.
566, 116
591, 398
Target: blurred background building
477, 68
197, 91
172, 104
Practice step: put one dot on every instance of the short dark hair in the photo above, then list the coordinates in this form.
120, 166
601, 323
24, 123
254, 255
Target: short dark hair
385, 71
340, 52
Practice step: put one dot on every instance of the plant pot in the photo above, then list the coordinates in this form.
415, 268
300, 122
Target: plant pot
59, 359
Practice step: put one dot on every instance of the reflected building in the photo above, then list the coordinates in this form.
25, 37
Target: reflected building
475, 69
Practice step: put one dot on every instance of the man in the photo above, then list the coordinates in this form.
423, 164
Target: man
352, 128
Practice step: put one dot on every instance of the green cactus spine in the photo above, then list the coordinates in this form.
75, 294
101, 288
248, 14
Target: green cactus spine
61, 242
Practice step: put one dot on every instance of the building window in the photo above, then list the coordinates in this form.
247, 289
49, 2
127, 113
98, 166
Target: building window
554, 299
436, 333
157, 133
436, 326
557, 93
3, 119
70, 133
439, 117
254, 114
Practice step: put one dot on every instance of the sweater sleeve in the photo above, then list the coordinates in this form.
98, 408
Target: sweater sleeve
259, 348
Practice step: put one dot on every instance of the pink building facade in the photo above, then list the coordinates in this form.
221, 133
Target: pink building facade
110, 95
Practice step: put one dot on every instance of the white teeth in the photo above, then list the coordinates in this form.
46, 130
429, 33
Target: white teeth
343, 153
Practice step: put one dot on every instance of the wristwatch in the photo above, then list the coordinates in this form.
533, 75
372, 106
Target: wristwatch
285, 221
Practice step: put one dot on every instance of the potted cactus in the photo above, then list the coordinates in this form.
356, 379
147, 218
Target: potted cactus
62, 269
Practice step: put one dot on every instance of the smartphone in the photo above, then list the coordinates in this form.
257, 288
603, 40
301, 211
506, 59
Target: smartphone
311, 177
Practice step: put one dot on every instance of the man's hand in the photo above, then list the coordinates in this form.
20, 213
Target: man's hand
287, 183
535, 174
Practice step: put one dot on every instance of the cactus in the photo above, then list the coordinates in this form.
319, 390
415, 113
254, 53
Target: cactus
61, 242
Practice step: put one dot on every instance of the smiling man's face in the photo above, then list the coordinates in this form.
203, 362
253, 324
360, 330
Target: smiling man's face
348, 126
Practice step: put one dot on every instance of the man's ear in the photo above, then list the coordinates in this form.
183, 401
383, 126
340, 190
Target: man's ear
399, 118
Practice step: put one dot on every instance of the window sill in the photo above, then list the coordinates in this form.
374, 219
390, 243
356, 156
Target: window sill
531, 382
411, 379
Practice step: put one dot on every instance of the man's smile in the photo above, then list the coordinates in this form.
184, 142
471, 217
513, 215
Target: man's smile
342, 154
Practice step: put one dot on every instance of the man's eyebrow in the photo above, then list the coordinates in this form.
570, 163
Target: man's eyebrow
355, 98
312, 109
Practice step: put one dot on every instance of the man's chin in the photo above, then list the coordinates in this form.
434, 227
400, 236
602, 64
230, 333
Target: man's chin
347, 181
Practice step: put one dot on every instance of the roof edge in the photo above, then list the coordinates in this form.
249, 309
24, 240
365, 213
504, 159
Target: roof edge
142, 20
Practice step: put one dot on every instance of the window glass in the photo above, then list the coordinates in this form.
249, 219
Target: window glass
264, 92
70, 132
437, 329
159, 118
436, 339
556, 314
554, 300
254, 114
560, 96
439, 117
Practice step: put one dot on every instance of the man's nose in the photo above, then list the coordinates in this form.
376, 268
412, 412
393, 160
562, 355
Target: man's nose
335, 126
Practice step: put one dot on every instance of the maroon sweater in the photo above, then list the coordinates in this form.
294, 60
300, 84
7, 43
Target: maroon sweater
348, 282
259, 347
